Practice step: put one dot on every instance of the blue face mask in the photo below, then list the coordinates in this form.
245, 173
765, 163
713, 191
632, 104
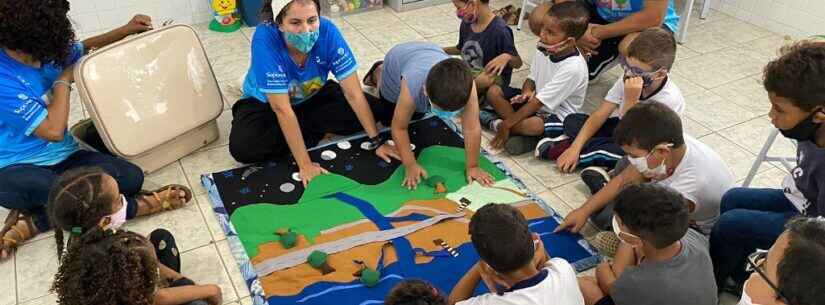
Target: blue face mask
443, 114
302, 41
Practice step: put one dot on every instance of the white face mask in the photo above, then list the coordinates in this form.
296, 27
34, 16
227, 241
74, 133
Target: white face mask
618, 231
118, 218
640, 163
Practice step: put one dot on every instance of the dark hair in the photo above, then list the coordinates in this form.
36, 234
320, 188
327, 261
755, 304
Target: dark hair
40, 28
802, 270
77, 202
656, 213
501, 237
414, 292
655, 47
648, 124
573, 17
266, 14
107, 268
449, 84
798, 74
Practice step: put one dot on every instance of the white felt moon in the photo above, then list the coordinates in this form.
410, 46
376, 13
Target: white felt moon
344, 145
367, 146
296, 177
328, 155
287, 187
391, 142
412, 146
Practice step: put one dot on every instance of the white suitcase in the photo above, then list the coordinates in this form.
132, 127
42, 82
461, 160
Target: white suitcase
152, 98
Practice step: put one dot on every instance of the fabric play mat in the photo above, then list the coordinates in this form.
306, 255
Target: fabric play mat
353, 234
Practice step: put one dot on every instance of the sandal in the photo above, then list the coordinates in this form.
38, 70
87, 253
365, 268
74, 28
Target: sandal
167, 203
13, 224
368, 78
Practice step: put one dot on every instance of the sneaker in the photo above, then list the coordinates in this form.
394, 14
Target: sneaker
489, 119
595, 178
606, 242
517, 145
552, 148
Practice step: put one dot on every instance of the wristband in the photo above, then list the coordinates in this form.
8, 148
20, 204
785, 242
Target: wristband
68, 85
377, 141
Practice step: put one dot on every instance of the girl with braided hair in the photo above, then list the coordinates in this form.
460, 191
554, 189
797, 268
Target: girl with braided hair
104, 265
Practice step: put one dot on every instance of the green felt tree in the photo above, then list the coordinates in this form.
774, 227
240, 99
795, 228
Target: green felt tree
318, 260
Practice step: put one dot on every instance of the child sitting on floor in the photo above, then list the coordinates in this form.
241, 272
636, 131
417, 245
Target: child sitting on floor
513, 264
555, 88
486, 43
414, 292
660, 260
658, 150
590, 138
87, 203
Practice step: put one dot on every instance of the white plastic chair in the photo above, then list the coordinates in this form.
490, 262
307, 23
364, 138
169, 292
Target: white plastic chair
787, 162
684, 18
524, 11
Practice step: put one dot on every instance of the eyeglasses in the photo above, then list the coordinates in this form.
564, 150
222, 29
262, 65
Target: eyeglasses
634, 71
756, 262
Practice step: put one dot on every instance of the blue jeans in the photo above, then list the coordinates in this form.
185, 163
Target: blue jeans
750, 219
26, 187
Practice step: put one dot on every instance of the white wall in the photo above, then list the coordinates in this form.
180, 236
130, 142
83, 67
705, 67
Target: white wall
96, 16
798, 18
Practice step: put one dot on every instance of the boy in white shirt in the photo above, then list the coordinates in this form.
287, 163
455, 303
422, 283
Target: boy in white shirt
651, 135
513, 264
555, 88
590, 142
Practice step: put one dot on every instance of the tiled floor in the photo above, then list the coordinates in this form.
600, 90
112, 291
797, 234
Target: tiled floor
718, 69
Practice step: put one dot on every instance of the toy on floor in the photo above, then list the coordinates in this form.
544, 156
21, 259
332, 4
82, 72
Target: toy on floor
318, 260
443, 244
342, 6
368, 276
288, 238
437, 182
224, 14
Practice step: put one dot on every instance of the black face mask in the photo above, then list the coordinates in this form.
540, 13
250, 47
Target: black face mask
804, 130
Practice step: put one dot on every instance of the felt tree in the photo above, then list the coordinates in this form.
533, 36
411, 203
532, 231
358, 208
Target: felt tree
318, 260
437, 182
368, 276
288, 238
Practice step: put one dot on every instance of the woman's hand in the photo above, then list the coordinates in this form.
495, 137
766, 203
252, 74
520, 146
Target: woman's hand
138, 24
387, 151
310, 171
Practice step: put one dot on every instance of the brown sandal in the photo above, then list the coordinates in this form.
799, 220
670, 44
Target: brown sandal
167, 203
12, 224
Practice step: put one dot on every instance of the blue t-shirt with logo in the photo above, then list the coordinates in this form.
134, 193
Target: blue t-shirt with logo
25, 93
274, 72
615, 10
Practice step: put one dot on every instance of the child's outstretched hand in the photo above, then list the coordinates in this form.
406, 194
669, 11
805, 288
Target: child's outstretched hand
478, 174
497, 65
521, 98
138, 24
568, 160
413, 175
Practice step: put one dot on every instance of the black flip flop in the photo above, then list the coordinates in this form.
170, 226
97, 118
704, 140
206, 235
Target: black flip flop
369, 73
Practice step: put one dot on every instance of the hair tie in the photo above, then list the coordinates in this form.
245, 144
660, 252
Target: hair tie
77, 230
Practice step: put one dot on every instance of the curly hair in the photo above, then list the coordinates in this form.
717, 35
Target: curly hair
657, 213
107, 267
798, 73
40, 28
414, 292
77, 202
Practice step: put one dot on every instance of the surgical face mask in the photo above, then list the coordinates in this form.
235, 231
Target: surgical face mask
444, 114
651, 173
630, 71
302, 41
118, 218
618, 231
465, 15
551, 50
805, 130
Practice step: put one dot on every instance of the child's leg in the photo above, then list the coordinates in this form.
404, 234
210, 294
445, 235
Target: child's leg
750, 219
166, 249
255, 134
499, 98
532, 126
590, 290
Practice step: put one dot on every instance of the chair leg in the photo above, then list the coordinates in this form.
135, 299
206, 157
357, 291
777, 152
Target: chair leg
763, 155
705, 9
524, 5
684, 20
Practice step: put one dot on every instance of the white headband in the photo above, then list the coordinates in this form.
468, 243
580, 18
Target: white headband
277, 6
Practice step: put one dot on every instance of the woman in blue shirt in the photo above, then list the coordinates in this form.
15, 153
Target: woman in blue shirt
289, 104
37, 53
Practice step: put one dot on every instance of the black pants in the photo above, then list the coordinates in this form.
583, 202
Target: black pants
256, 136
166, 250
601, 149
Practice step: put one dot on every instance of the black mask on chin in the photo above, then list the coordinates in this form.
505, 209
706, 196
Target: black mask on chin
804, 130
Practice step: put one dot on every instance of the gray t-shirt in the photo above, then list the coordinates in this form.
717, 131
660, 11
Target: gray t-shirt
805, 185
686, 279
411, 61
